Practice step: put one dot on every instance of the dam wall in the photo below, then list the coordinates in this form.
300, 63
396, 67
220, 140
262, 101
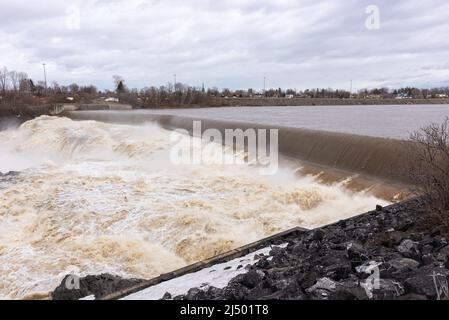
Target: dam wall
371, 156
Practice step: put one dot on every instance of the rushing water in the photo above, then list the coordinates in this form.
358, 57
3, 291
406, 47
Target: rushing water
397, 121
93, 197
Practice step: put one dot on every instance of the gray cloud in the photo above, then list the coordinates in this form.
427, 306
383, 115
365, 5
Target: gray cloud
229, 43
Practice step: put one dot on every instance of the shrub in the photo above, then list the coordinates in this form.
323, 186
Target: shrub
428, 166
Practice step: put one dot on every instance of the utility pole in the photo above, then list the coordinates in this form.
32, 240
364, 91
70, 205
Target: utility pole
264, 86
175, 82
350, 92
45, 76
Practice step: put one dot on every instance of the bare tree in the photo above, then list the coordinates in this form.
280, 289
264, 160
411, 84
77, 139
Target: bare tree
119, 82
429, 166
22, 79
14, 78
4, 75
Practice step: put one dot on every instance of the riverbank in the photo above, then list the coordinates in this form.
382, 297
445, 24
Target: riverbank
401, 247
284, 102
23, 113
401, 244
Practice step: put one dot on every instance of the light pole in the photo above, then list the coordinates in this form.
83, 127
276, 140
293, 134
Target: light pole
45, 76
175, 82
350, 89
264, 86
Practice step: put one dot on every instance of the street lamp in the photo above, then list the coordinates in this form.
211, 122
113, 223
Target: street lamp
45, 76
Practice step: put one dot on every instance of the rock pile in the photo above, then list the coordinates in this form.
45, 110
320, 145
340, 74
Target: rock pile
391, 253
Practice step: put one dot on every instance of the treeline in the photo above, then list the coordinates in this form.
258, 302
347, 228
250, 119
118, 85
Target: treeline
17, 89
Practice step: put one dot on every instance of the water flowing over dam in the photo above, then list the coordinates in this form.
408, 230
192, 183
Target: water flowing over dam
372, 156
93, 197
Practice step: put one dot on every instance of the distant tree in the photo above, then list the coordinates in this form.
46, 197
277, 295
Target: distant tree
119, 83
74, 88
32, 86
14, 80
55, 87
25, 86
4, 74
120, 87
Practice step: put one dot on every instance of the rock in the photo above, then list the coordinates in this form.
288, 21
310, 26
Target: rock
408, 248
336, 265
426, 249
368, 267
323, 288
388, 289
307, 279
428, 259
423, 283
262, 263
443, 254
235, 291
317, 235
356, 254
387, 252
404, 264
250, 279
195, 294
167, 296
379, 208
99, 286
412, 297
391, 239
349, 290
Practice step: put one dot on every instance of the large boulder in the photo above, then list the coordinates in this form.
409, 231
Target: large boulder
404, 264
427, 281
73, 288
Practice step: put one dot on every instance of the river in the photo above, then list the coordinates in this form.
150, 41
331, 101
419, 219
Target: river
92, 197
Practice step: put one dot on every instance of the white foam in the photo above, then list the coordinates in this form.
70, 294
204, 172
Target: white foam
105, 198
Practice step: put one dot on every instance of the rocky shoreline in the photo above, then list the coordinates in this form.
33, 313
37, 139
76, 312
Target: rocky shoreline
394, 253
398, 252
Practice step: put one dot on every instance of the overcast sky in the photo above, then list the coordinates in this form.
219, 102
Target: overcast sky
294, 43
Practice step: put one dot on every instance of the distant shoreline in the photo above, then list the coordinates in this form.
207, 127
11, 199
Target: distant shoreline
29, 112
297, 102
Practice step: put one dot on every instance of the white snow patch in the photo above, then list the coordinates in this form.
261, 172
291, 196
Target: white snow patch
216, 276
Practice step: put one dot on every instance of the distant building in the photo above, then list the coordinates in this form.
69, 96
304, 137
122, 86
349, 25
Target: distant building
402, 96
111, 100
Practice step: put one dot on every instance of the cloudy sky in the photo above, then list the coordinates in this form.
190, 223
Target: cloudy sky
229, 43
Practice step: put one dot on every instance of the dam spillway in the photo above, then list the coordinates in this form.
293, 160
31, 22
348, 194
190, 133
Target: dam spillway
381, 158
93, 197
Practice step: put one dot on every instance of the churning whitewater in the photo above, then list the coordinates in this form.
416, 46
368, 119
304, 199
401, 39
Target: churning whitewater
92, 198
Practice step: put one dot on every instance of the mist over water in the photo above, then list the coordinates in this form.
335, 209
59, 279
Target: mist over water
93, 197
